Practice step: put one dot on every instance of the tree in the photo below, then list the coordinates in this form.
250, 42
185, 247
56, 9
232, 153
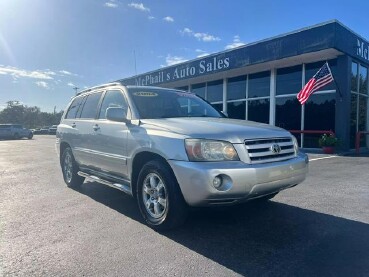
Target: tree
30, 117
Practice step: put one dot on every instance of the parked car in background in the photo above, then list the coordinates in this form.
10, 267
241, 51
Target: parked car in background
52, 130
44, 130
170, 149
14, 131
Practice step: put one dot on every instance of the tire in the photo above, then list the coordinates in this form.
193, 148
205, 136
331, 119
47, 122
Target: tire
159, 198
30, 136
70, 169
16, 136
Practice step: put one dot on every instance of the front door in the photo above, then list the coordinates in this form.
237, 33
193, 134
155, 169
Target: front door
110, 138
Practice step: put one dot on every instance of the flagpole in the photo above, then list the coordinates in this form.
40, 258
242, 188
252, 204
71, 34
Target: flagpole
334, 79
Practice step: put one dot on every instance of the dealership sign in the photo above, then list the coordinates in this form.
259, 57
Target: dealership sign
205, 66
362, 49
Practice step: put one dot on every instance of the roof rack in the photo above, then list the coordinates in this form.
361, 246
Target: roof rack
97, 87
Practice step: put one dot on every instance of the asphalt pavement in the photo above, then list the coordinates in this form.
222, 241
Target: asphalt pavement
319, 228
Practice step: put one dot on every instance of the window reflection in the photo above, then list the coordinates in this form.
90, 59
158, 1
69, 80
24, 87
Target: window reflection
289, 80
353, 119
319, 115
363, 110
199, 89
259, 84
258, 110
236, 88
354, 77
215, 91
236, 109
363, 80
184, 88
288, 113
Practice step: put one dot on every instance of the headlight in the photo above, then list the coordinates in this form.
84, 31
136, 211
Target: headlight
210, 150
295, 145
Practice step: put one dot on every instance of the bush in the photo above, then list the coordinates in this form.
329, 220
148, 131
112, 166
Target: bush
328, 140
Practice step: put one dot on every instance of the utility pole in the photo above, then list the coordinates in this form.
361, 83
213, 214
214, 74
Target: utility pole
76, 89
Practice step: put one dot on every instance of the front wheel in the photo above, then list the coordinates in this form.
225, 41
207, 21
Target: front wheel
70, 169
159, 198
30, 136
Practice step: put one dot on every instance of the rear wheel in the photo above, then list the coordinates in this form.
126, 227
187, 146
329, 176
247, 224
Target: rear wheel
70, 169
30, 135
159, 198
16, 136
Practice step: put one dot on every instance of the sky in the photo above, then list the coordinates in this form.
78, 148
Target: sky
48, 47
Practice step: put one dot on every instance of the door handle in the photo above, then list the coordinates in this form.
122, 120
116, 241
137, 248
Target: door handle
73, 125
96, 127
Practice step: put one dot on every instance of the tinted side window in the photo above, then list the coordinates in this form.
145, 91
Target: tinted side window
90, 107
113, 98
74, 108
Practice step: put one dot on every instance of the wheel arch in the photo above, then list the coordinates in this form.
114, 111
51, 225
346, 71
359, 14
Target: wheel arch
138, 162
63, 146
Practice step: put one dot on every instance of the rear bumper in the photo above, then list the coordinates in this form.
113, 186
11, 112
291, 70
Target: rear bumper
241, 181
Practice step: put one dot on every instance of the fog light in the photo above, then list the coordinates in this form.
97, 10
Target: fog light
217, 182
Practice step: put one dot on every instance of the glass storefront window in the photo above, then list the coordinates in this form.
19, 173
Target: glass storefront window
354, 77
259, 84
236, 110
199, 89
319, 115
363, 80
353, 119
288, 113
215, 91
289, 80
185, 88
258, 110
236, 88
363, 107
218, 107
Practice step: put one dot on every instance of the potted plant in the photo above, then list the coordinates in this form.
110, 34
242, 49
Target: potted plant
328, 143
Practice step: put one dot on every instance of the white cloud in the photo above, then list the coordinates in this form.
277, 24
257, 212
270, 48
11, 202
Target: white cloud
199, 36
139, 6
18, 73
151, 17
236, 43
71, 84
172, 60
168, 19
203, 55
111, 4
42, 84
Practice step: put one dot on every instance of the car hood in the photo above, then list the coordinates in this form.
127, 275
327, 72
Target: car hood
232, 130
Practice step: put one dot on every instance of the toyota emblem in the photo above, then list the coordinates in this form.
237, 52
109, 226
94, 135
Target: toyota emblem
275, 148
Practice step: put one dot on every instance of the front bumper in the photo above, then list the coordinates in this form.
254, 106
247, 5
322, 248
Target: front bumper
241, 181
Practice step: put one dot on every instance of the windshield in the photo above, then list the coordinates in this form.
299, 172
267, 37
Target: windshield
156, 103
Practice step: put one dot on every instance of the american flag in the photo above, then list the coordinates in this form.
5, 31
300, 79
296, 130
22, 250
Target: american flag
320, 79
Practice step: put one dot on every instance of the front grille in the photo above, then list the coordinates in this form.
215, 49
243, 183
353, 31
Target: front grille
261, 150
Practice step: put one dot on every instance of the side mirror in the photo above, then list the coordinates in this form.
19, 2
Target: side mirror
117, 114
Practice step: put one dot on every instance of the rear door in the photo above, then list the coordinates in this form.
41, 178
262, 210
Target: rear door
69, 127
86, 124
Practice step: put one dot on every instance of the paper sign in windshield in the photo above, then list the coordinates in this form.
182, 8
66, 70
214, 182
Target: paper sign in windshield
145, 94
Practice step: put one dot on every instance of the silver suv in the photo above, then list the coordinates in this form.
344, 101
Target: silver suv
171, 149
